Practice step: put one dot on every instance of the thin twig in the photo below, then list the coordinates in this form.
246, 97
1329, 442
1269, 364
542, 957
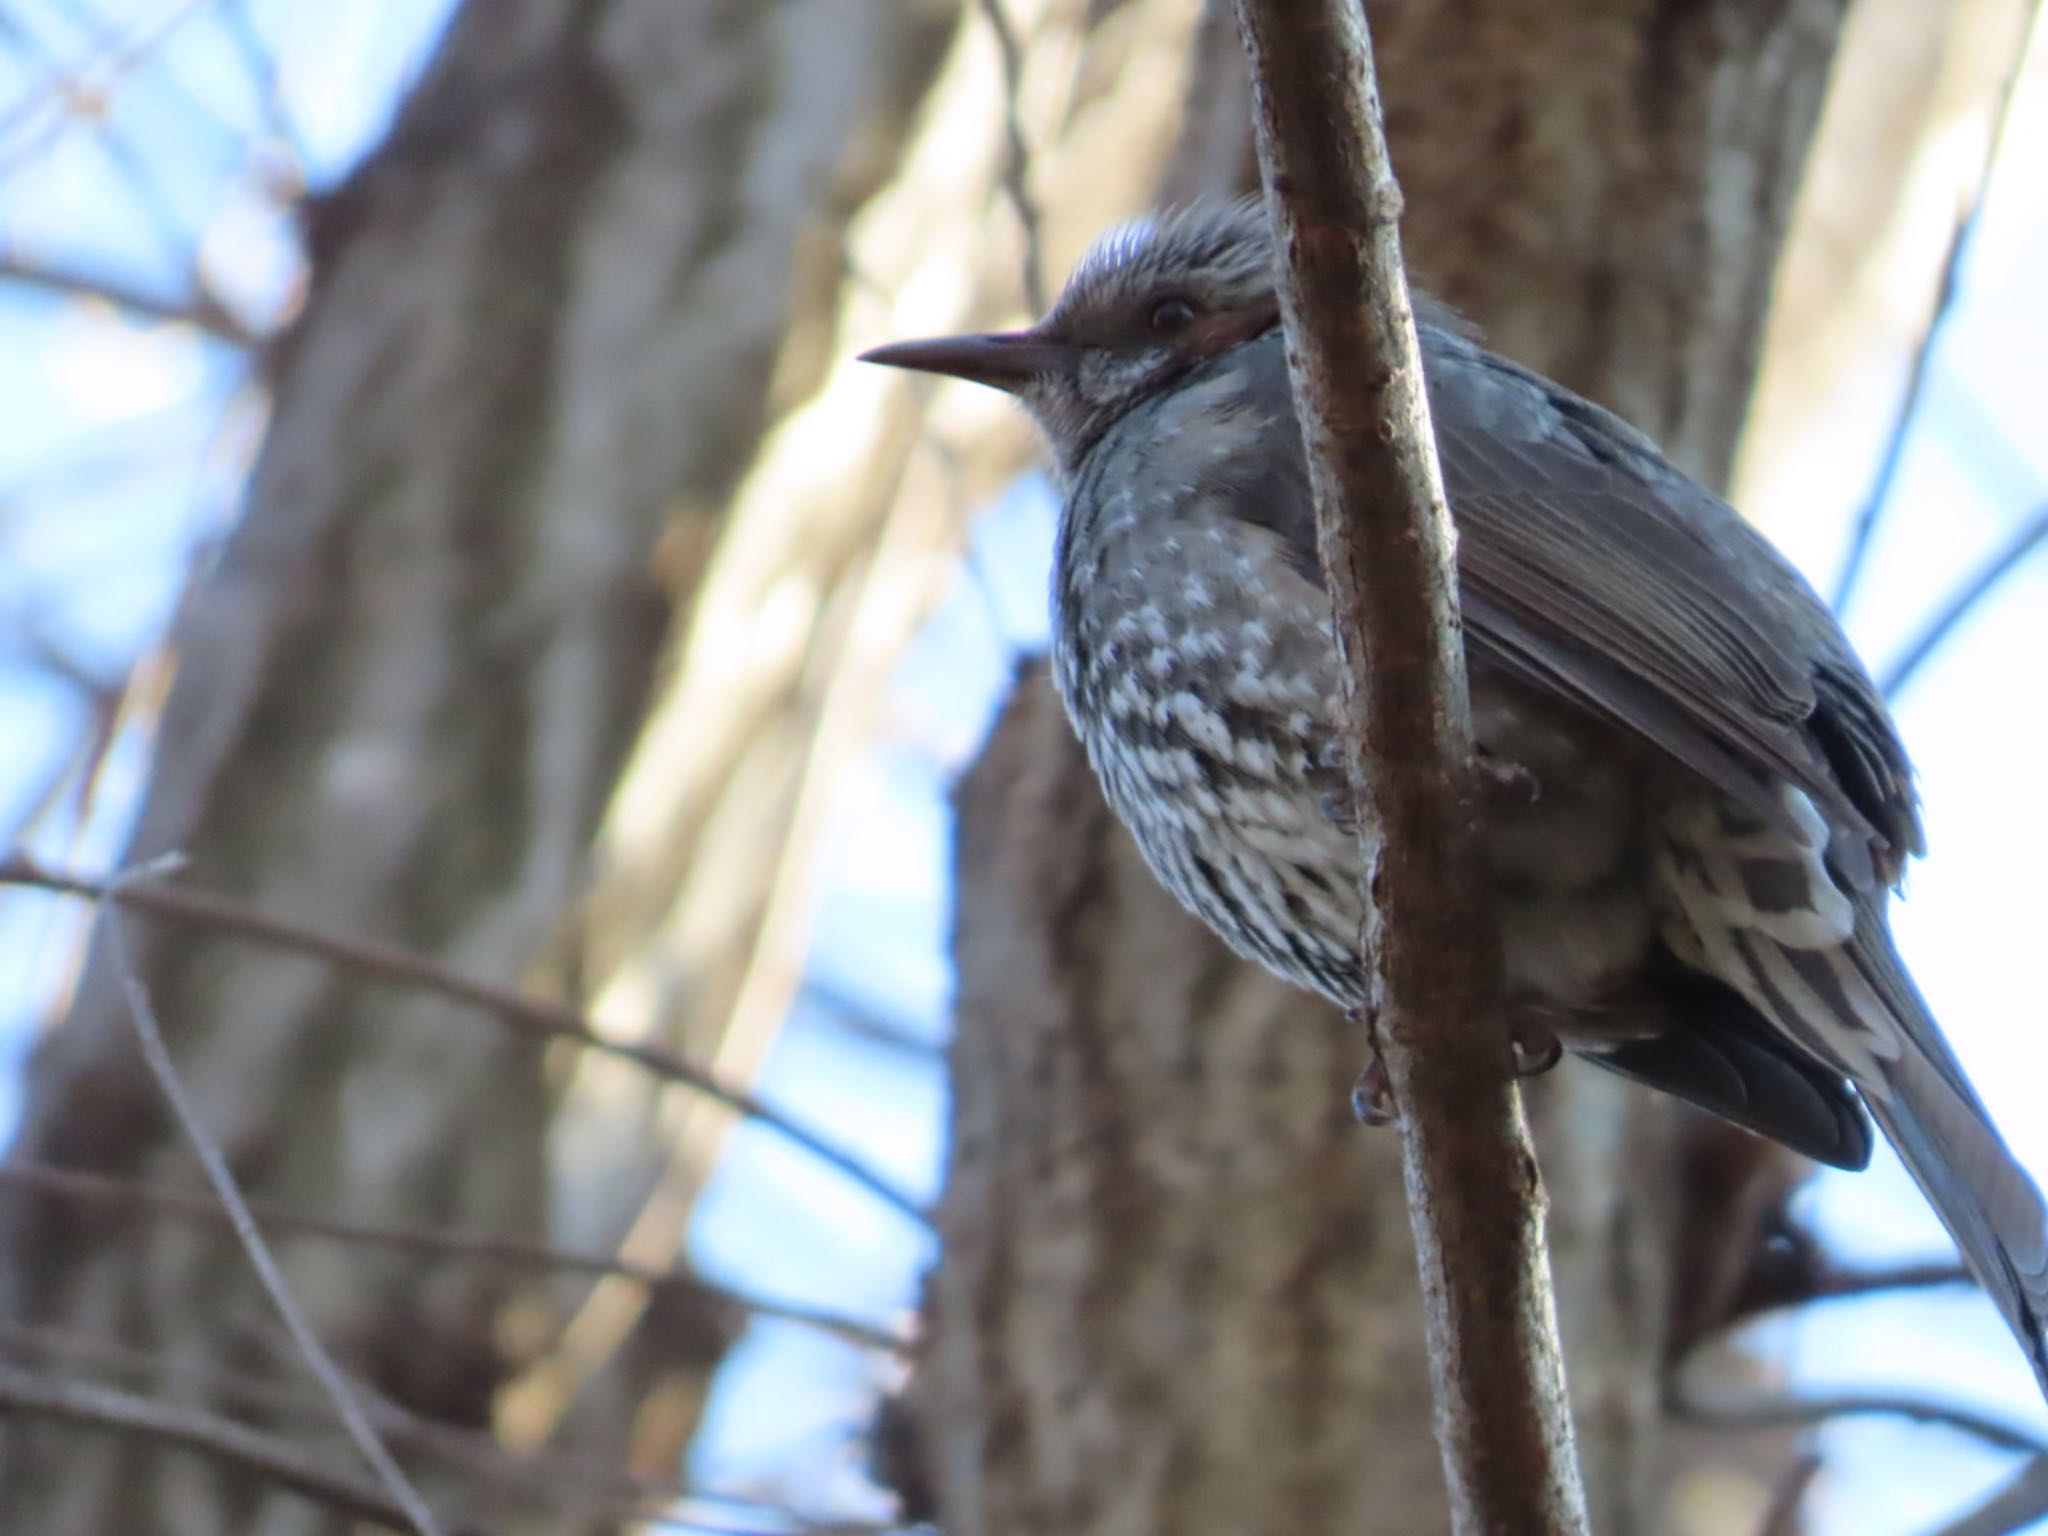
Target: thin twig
2014, 1506
1746, 1413
63, 89
1793, 1269
77, 1402
857, 1018
29, 1393
156, 1055
1836, 1284
1017, 154
1782, 1517
1863, 533
2028, 537
260, 61
563, 1481
1831, 1284
80, 1185
1475, 1200
28, 636
200, 310
404, 967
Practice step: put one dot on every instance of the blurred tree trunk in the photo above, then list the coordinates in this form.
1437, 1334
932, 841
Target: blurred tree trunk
1177, 1292
551, 320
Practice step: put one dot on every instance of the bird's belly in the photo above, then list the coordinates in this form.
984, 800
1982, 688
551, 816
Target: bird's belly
1262, 862
1259, 863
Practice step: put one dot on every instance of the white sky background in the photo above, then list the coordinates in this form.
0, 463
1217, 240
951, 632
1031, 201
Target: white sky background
121, 448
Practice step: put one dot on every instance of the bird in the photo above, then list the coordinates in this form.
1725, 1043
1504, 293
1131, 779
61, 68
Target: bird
1693, 803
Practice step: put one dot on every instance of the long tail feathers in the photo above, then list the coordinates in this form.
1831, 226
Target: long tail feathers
1762, 911
1985, 1199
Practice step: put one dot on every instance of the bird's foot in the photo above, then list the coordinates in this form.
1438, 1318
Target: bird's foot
1372, 1096
1501, 776
1327, 771
1340, 810
1536, 1048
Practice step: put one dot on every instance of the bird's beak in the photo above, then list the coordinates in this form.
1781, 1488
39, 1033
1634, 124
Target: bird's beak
1006, 360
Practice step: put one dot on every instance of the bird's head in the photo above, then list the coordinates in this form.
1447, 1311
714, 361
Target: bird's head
1149, 301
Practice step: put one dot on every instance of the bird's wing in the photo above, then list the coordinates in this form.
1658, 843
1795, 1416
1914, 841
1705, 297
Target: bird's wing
1592, 568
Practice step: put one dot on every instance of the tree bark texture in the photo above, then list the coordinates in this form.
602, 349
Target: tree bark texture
551, 320
839, 536
1438, 1024
1177, 1289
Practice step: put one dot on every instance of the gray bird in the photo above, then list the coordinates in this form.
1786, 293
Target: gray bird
1694, 801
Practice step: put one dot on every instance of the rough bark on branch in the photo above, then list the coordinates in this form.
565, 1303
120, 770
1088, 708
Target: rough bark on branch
1475, 1199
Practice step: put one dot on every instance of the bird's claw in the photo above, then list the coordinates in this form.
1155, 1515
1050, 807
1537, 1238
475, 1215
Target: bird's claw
1326, 770
1501, 776
1536, 1049
1372, 1096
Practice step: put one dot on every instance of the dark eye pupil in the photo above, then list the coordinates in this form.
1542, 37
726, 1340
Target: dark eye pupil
1171, 314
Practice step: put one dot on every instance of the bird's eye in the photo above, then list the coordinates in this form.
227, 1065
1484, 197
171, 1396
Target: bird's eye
1170, 315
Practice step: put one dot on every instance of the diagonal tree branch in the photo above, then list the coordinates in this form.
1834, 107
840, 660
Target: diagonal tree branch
2015, 1505
403, 967
1776, 1412
1017, 154
1475, 1199
44, 1394
200, 308
149, 1039
1785, 1515
2007, 558
77, 1402
1948, 288
476, 1247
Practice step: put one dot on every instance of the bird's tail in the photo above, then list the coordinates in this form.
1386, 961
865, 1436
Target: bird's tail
1932, 1116
1760, 910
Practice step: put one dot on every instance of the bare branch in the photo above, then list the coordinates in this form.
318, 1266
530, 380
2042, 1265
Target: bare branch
1475, 1199
1017, 154
2013, 1506
1782, 1517
559, 1478
564, 1481
25, 1392
156, 1055
858, 1019
87, 1403
403, 967
261, 63
2030, 536
1863, 532
200, 309
1791, 1268
28, 636
79, 90
79, 1185
1746, 1413
1829, 1283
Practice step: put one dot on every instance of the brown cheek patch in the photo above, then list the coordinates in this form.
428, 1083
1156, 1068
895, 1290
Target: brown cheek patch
1213, 335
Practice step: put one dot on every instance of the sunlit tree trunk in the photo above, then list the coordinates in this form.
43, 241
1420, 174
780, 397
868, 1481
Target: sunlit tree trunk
550, 322
1177, 1292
